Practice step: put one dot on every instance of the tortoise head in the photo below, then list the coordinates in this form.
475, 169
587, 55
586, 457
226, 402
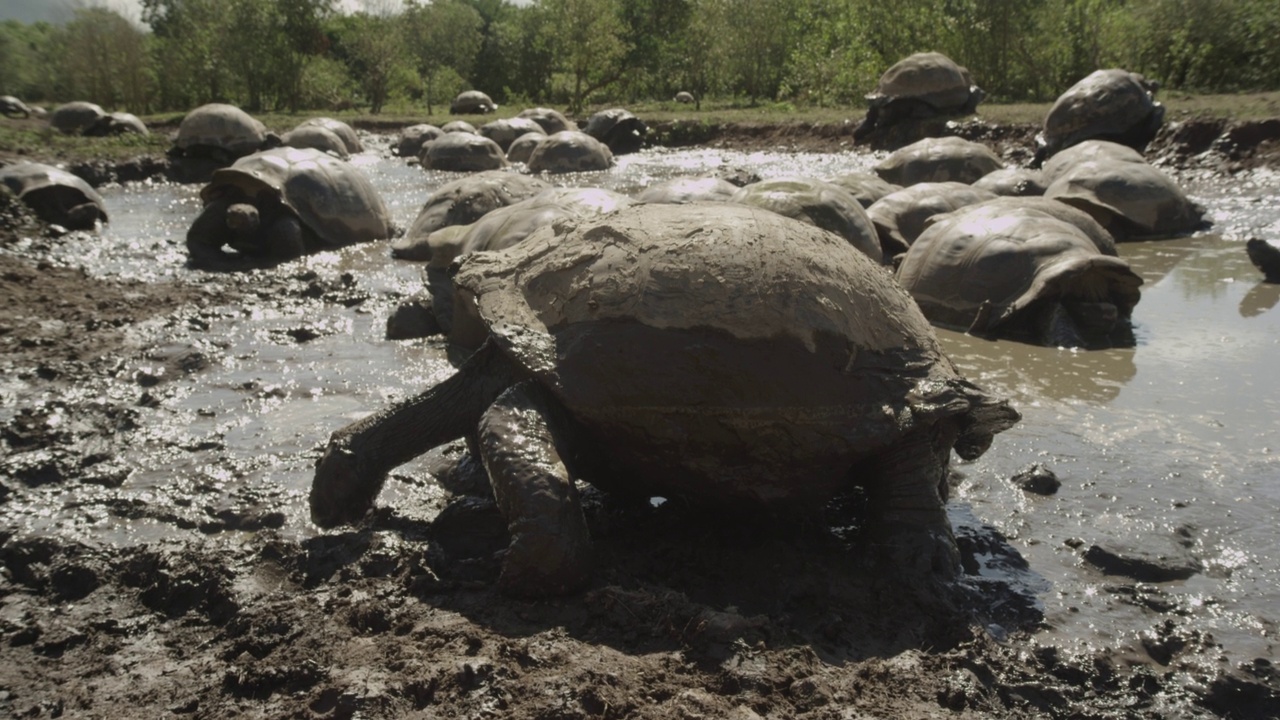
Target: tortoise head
243, 218
343, 490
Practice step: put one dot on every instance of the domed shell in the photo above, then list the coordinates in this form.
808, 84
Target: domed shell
689, 189
685, 97
1130, 199
618, 128
551, 121
1008, 204
1013, 182
348, 135
1087, 151
930, 77
412, 138
330, 196
462, 202
462, 152
13, 107
867, 187
50, 191
947, 159
818, 203
523, 146
506, 130
570, 151
1110, 104
74, 118
472, 102
901, 216
1008, 262
812, 346
222, 127
458, 126
316, 137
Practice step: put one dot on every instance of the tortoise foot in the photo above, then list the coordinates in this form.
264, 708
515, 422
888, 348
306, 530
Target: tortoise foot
545, 562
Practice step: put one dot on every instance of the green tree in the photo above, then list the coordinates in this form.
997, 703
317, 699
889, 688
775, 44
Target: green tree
444, 37
377, 55
189, 50
103, 59
587, 44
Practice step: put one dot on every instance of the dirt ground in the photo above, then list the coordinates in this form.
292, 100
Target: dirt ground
689, 616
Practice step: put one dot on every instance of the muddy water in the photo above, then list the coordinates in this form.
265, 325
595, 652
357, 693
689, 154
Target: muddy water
1167, 449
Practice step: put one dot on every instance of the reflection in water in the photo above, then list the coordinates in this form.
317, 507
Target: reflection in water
1260, 299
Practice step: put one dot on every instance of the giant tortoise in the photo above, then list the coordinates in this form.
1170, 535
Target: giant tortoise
551, 121
74, 118
1112, 104
570, 151
1130, 199
618, 128
412, 138
12, 107
920, 86
461, 202
818, 203
946, 159
718, 354
462, 152
282, 203
1020, 273
346, 133
56, 196
221, 133
900, 216
472, 102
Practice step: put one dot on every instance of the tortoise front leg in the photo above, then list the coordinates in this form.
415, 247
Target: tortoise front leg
908, 514
550, 547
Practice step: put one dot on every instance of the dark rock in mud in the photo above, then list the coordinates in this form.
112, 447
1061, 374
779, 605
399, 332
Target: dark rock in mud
1038, 479
1252, 693
1140, 565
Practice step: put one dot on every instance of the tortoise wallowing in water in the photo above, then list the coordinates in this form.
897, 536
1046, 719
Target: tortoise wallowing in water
1114, 104
718, 353
280, 204
920, 86
56, 196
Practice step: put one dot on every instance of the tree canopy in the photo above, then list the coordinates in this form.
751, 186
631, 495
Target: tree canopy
295, 54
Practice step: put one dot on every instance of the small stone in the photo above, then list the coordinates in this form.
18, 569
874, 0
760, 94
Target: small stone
1038, 479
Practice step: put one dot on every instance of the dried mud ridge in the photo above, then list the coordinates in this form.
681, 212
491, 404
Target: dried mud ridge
689, 616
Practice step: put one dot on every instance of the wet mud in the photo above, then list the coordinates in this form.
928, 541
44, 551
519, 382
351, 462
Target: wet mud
151, 567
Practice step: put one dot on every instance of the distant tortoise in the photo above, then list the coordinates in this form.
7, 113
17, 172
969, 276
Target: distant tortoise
504, 131
458, 126
920, 86
657, 371
56, 196
947, 159
523, 146
1013, 182
1006, 204
818, 203
462, 152
12, 107
684, 97
472, 102
412, 138
1114, 104
279, 204
344, 132
867, 187
901, 216
1131, 200
498, 230
221, 133
1019, 273
618, 128
688, 189
551, 121
74, 118
119, 123
570, 151
316, 137
462, 202
1087, 151
1264, 256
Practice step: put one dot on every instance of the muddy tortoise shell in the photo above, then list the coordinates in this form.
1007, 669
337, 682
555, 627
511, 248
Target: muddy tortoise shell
330, 196
221, 126
723, 352
570, 151
1109, 103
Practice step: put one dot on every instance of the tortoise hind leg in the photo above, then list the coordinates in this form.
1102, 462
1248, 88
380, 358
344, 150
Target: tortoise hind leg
908, 516
550, 548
